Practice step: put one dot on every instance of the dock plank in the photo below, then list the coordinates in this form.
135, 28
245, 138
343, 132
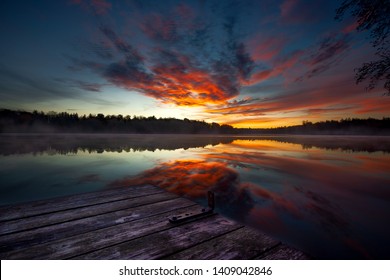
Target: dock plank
243, 243
26, 239
99, 239
284, 252
73, 214
158, 245
128, 223
74, 201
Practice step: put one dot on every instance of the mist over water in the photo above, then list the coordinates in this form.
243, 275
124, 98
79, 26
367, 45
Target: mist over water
328, 196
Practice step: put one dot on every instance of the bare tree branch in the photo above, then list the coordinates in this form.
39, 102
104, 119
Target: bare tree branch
373, 16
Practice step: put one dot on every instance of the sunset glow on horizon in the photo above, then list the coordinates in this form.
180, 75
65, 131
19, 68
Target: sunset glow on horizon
256, 64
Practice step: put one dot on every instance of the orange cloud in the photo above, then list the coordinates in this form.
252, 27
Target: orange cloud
191, 87
174, 77
177, 56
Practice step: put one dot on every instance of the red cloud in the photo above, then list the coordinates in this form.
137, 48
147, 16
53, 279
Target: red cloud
350, 28
192, 87
173, 77
372, 106
178, 63
334, 95
262, 76
279, 67
266, 48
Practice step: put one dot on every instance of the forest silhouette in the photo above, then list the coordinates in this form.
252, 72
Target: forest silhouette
12, 121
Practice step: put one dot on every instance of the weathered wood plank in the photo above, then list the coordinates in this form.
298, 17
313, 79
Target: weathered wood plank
128, 223
244, 243
99, 239
25, 239
284, 252
78, 213
74, 201
166, 242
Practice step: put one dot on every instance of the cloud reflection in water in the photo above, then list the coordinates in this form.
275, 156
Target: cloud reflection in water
315, 201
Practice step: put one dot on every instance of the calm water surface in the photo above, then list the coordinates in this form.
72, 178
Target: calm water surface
328, 196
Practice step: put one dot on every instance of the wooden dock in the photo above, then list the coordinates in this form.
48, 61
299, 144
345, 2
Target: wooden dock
128, 223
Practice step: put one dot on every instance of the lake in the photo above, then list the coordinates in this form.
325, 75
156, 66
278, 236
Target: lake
326, 195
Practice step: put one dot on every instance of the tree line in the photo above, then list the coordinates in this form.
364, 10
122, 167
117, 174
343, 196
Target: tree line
52, 122
348, 126
12, 121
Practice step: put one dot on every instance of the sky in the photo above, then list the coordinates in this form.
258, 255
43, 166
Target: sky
246, 63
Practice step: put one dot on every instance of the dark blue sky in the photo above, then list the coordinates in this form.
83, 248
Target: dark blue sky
246, 63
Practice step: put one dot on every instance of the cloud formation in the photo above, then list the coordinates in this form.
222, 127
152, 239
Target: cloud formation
208, 54
170, 74
327, 53
87, 86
